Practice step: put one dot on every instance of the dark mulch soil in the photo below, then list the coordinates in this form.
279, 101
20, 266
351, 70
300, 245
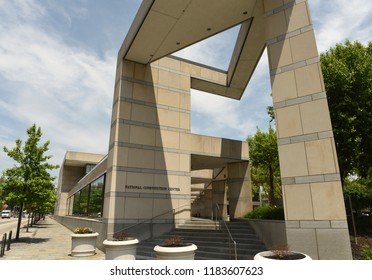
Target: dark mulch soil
363, 241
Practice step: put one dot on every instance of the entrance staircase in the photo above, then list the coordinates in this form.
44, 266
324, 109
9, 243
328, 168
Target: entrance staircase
212, 242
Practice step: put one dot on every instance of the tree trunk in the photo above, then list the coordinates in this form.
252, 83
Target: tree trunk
271, 191
19, 221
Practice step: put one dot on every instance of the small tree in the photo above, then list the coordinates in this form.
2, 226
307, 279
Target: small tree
28, 184
263, 153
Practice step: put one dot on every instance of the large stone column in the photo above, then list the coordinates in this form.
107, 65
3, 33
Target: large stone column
240, 189
313, 200
208, 204
205, 204
219, 197
148, 173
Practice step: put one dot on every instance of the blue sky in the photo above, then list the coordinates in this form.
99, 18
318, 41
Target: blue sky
58, 60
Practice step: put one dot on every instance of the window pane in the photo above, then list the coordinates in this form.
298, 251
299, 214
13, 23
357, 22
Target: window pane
75, 207
96, 197
84, 193
89, 200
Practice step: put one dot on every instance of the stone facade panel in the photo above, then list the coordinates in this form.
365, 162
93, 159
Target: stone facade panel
284, 86
298, 202
303, 47
322, 194
308, 80
289, 121
315, 116
297, 17
320, 157
293, 161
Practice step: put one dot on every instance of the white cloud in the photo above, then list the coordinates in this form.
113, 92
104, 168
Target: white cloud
223, 117
64, 89
335, 21
215, 51
20, 10
220, 116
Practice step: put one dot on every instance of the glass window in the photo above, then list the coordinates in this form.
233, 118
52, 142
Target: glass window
96, 197
89, 168
89, 200
83, 203
75, 205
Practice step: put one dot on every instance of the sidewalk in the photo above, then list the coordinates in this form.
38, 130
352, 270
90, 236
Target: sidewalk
47, 240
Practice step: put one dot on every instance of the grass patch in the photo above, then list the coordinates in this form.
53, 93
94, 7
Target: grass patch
366, 254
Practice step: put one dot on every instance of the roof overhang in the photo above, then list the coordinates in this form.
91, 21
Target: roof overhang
163, 27
80, 159
199, 162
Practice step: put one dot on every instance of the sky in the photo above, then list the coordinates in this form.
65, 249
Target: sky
58, 61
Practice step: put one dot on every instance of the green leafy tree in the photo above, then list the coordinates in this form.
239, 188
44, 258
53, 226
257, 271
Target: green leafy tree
360, 192
29, 184
347, 72
263, 153
270, 112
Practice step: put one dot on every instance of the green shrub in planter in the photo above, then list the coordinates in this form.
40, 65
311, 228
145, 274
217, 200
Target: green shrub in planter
266, 213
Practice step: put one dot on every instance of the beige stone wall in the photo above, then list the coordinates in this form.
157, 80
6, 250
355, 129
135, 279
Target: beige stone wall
312, 193
240, 189
203, 205
97, 172
72, 171
219, 197
148, 172
151, 148
149, 159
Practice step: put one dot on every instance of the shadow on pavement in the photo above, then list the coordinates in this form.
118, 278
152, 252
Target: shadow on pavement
31, 240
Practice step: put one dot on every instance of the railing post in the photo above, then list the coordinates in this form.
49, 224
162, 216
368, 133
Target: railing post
230, 238
174, 217
3, 242
9, 240
151, 229
150, 221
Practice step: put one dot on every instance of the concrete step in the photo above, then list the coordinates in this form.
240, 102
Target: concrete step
213, 244
197, 223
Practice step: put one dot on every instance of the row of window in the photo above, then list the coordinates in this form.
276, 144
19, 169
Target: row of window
89, 200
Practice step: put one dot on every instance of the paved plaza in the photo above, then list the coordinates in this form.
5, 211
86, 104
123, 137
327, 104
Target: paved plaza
47, 240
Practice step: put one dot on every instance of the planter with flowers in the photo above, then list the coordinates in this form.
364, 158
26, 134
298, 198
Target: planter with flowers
281, 252
175, 249
83, 242
120, 247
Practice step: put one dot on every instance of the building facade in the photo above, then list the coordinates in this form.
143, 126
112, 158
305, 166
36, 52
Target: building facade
157, 174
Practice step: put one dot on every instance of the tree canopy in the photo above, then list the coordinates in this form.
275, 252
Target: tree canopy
263, 153
347, 72
29, 184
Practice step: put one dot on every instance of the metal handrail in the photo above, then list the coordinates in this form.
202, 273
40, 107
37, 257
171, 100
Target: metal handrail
228, 231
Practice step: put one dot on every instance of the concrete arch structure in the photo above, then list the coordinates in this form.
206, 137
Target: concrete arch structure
153, 158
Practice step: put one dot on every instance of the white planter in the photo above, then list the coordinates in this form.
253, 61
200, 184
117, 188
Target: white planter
121, 250
83, 245
265, 255
186, 252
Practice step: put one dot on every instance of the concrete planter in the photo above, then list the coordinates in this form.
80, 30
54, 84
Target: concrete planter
182, 252
121, 249
292, 255
84, 244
